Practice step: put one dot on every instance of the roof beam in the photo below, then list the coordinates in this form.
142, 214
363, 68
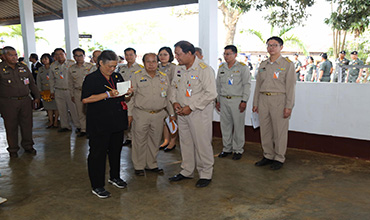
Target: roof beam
59, 15
91, 2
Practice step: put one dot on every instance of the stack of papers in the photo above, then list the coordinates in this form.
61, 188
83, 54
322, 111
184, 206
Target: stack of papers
122, 87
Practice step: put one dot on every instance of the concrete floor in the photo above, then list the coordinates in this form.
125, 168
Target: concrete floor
54, 185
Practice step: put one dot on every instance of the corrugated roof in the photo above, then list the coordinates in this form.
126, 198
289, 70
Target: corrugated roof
52, 9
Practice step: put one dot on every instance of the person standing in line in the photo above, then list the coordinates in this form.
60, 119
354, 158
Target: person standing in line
147, 112
16, 82
126, 71
76, 76
297, 66
166, 66
233, 88
95, 56
199, 53
339, 63
43, 78
325, 69
59, 91
34, 59
310, 70
193, 91
106, 120
354, 74
273, 101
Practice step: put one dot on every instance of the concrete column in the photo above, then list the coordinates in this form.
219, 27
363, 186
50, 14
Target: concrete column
208, 39
70, 26
28, 28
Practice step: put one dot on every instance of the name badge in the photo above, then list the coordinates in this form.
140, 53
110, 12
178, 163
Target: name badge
188, 92
163, 94
26, 81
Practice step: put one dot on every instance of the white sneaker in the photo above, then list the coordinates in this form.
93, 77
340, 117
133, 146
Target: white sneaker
2, 200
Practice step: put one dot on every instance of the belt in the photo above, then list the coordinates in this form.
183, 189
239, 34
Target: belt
230, 97
152, 111
61, 88
271, 93
18, 98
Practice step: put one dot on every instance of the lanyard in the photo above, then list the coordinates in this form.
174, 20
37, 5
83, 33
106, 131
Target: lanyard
110, 81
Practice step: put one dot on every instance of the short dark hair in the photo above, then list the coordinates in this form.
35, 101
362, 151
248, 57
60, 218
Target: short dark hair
199, 50
324, 55
46, 55
149, 54
34, 56
7, 49
128, 49
311, 58
185, 46
232, 48
56, 49
278, 39
78, 50
107, 55
169, 51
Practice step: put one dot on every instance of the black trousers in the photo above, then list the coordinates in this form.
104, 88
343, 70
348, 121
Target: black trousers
100, 146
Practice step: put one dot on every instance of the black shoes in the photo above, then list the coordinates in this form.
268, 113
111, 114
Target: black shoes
82, 134
203, 183
78, 130
164, 147
169, 149
117, 182
13, 155
101, 193
224, 154
64, 130
31, 151
127, 143
276, 165
178, 177
155, 170
237, 156
139, 172
263, 162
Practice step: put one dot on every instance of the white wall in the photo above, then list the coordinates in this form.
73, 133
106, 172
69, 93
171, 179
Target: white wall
341, 110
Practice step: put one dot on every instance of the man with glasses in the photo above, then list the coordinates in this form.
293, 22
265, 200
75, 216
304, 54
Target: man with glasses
273, 101
233, 88
77, 73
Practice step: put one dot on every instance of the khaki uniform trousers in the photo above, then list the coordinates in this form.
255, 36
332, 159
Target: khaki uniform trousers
147, 132
17, 113
64, 103
80, 110
232, 125
195, 131
274, 127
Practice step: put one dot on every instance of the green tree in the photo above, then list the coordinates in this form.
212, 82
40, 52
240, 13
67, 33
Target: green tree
16, 32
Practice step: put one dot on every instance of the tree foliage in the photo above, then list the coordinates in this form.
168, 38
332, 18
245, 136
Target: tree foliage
16, 32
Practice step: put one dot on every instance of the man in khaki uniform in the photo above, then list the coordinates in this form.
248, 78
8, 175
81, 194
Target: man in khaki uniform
193, 91
76, 76
59, 90
95, 56
233, 88
147, 112
126, 71
274, 101
354, 74
16, 82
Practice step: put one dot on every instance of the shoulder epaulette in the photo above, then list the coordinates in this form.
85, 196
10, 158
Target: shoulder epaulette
243, 64
141, 66
202, 65
287, 59
138, 71
71, 60
162, 73
221, 65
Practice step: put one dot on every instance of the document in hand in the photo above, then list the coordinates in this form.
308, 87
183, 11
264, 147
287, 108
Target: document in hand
122, 87
255, 120
172, 126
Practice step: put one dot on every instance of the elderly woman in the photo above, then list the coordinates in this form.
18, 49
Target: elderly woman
105, 121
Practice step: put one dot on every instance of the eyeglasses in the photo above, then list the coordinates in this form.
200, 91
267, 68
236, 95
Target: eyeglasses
272, 45
228, 54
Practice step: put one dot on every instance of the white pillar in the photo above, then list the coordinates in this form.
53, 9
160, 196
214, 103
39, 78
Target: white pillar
208, 39
70, 25
28, 28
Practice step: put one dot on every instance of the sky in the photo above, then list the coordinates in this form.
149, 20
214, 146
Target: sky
148, 30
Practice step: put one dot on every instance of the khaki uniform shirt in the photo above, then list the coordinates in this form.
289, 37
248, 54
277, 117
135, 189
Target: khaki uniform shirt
278, 76
354, 70
150, 94
76, 76
17, 82
59, 76
43, 78
127, 72
325, 66
341, 63
235, 81
169, 70
200, 80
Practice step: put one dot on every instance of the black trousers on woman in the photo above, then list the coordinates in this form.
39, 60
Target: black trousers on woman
102, 145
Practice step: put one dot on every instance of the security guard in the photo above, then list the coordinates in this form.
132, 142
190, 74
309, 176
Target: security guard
233, 88
76, 76
274, 101
325, 69
59, 90
340, 61
310, 70
126, 71
147, 113
16, 81
193, 91
354, 74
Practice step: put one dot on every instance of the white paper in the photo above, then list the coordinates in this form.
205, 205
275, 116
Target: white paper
122, 87
255, 120
172, 126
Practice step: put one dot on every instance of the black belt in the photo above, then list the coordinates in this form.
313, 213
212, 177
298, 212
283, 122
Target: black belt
18, 98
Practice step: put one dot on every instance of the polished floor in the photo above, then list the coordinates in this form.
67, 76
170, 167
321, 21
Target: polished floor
54, 185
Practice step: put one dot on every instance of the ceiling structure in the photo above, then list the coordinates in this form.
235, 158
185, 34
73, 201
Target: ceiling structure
45, 10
